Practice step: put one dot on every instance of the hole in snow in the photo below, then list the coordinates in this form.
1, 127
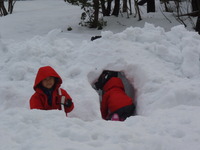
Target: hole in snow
129, 88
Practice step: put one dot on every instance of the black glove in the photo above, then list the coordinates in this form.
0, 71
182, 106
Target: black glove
68, 103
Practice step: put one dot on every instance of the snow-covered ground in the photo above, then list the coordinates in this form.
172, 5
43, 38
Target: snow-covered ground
161, 61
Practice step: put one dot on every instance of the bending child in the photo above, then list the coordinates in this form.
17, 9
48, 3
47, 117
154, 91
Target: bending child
115, 104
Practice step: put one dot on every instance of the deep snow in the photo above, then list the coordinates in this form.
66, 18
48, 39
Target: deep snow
160, 61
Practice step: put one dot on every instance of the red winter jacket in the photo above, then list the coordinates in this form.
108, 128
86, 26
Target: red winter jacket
39, 99
114, 97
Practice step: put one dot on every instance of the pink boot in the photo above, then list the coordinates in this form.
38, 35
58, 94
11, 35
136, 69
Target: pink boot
115, 117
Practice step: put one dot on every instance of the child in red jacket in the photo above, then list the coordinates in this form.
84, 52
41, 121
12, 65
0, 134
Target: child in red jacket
115, 104
48, 94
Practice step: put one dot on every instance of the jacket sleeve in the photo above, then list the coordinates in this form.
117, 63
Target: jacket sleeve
35, 102
68, 109
104, 107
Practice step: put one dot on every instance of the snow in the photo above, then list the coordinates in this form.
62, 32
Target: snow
160, 60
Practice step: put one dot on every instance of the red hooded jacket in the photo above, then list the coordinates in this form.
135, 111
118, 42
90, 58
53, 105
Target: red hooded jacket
39, 99
114, 97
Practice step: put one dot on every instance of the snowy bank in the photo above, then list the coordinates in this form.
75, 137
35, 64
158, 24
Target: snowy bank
157, 64
162, 66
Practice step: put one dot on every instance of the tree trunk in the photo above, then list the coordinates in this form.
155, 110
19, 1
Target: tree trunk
2, 8
194, 5
130, 7
137, 9
109, 7
96, 14
150, 6
198, 24
116, 8
198, 18
10, 6
106, 10
125, 6
103, 7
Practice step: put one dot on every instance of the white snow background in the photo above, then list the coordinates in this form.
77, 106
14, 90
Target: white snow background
160, 59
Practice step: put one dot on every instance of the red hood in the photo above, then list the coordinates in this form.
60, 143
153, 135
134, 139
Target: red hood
114, 82
45, 72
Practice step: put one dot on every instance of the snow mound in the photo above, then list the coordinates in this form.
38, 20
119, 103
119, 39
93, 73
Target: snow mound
162, 66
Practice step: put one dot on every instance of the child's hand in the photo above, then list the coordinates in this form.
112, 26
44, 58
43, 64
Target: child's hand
61, 100
68, 103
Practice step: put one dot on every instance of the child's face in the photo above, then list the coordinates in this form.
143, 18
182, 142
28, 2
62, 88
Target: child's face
48, 82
